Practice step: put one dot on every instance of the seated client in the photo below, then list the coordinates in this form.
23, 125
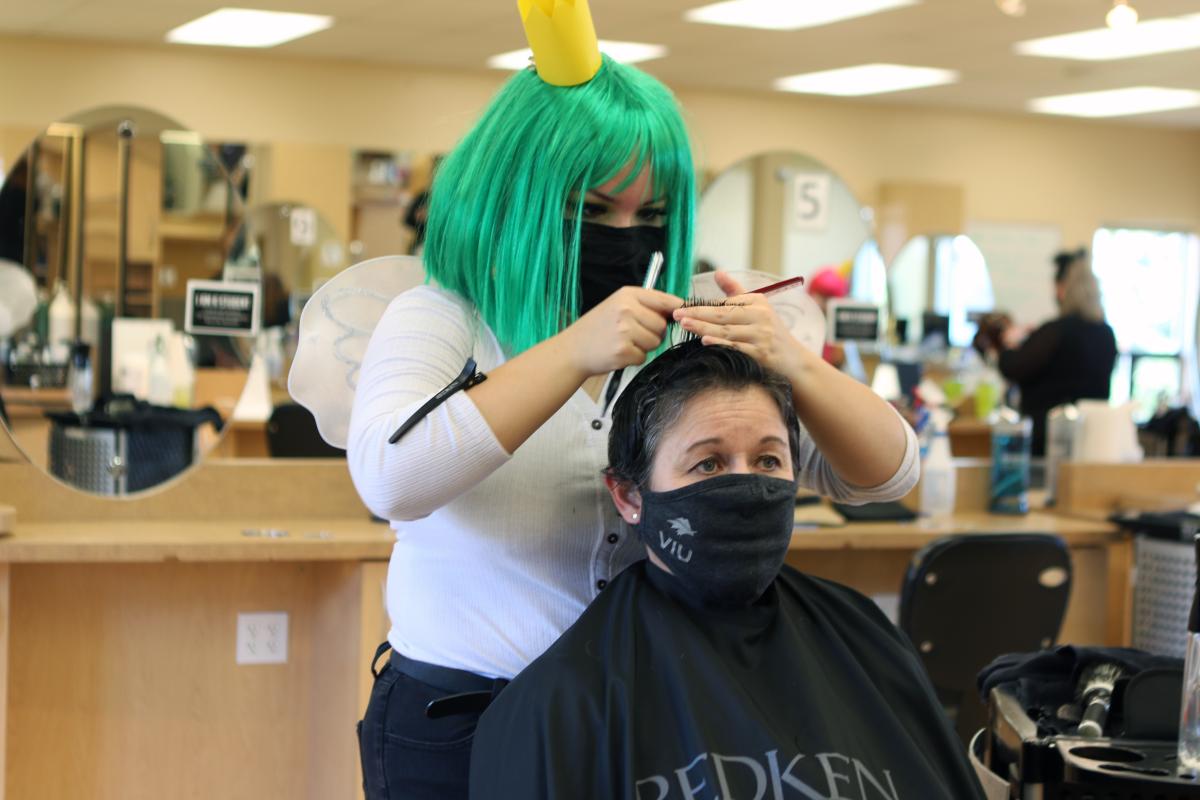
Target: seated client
711, 669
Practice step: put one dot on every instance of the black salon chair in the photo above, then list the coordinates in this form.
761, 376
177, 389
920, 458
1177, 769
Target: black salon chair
967, 599
292, 433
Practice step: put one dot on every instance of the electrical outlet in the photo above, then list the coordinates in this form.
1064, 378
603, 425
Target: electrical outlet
262, 638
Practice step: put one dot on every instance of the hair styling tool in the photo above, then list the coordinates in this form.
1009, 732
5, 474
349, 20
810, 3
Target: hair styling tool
470, 376
694, 302
776, 288
653, 270
1095, 695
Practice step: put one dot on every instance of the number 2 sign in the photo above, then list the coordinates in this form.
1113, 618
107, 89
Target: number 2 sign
810, 201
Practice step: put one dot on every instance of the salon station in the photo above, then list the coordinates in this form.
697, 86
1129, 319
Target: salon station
981, 216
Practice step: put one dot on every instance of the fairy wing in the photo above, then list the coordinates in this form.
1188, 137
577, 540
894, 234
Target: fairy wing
335, 326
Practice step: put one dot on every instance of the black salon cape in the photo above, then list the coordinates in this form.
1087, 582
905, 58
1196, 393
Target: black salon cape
810, 693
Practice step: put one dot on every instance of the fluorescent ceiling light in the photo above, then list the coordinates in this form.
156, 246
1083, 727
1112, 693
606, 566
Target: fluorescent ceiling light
1168, 35
622, 52
866, 79
789, 15
1117, 102
245, 27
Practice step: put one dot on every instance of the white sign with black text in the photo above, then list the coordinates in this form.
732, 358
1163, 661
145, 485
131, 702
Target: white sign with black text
852, 321
222, 308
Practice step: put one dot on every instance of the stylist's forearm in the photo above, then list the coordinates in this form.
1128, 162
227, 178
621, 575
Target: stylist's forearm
520, 395
860, 436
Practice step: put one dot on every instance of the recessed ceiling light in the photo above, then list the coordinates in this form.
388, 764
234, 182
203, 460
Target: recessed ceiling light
1167, 35
866, 79
1117, 102
1121, 15
1013, 8
622, 52
246, 27
789, 15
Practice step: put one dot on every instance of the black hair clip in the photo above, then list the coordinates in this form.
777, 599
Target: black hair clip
466, 379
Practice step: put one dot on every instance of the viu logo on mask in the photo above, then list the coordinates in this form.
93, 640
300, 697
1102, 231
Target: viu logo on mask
681, 527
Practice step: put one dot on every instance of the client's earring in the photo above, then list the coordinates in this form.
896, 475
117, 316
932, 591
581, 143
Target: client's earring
635, 516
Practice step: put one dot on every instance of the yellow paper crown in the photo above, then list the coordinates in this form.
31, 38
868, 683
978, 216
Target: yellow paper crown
563, 38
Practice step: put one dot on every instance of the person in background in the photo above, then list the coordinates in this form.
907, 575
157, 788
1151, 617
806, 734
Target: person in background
415, 220
1066, 359
989, 335
13, 189
827, 284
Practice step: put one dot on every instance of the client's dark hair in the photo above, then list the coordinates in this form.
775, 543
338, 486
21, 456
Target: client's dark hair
1064, 260
655, 398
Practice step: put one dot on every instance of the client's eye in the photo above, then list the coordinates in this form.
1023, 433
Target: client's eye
706, 467
770, 462
652, 214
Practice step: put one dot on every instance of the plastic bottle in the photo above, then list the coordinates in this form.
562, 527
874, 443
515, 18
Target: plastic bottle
79, 378
1189, 707
61, 327
937, 472
61, 323
1011, 440
160, 393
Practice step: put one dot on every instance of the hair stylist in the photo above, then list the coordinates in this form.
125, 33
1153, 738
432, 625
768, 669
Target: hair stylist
541, 224
1066, 359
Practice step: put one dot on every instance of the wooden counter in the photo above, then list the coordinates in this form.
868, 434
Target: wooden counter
970, 438
118, 627
916, 534
253, 540
24, 400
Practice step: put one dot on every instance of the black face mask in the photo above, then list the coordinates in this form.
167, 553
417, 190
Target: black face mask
725, 538
610, 258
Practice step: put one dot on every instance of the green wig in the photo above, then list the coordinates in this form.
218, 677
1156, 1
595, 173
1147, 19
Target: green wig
496, 233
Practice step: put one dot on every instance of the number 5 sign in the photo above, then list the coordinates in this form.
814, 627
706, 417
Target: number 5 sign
810, 201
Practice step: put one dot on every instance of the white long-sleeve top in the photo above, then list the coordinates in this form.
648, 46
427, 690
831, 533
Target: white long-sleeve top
496, 554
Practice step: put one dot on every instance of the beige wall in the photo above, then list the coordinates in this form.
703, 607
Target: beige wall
320, 175
1073, 174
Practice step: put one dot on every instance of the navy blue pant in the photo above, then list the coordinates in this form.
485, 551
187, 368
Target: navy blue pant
406, 753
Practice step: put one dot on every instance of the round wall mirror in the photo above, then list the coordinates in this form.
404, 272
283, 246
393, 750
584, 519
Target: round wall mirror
939, 286
782, 213
111, 214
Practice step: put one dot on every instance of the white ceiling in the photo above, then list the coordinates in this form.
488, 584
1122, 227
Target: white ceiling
971, 36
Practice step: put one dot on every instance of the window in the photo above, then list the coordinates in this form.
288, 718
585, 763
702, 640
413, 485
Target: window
1150, 282
962, 286
868, 279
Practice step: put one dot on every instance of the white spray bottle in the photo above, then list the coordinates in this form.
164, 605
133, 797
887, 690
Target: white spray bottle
937, 470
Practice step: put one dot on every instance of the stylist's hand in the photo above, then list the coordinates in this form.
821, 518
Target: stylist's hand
621, 330
749, 324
